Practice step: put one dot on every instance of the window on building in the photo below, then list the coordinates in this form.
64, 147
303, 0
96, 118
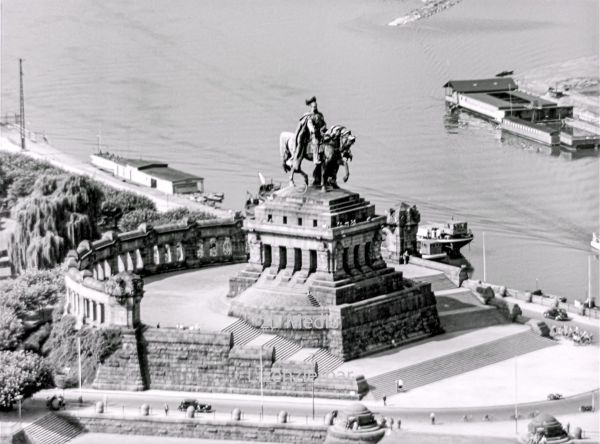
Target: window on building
285, 219
102, 313
357, 256
299, 221
314, 222
269, 218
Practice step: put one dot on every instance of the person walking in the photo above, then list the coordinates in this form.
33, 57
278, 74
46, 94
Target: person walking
432, 418
166, 409
384, 400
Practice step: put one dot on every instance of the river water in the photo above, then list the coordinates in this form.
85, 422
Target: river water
208, 85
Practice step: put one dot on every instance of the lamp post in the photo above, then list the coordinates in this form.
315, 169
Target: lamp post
313, 397
19, 399
484, 270
516, 404
261, 383
79, 365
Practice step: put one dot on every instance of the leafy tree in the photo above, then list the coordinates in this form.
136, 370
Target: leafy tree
515, 312
132, 220
33, 289
60, 213
21, 373
11, 328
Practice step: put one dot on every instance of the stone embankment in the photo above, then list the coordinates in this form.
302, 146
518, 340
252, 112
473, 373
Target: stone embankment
40, 149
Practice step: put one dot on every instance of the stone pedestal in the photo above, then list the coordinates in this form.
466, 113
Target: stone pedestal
316, 275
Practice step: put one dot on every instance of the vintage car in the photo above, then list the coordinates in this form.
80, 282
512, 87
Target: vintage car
558, 314
198, 407
554, 396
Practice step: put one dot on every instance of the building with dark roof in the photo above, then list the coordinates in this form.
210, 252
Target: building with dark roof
498, 98
150, 173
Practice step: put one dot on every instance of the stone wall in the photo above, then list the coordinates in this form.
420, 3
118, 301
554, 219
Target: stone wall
211, 429
193, 360
384, 322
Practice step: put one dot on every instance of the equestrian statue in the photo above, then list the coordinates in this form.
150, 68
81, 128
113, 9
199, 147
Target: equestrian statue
328, 149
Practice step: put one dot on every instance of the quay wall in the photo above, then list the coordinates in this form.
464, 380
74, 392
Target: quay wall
526, 296
200, 428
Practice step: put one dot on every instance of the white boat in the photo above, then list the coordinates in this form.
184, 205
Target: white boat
595, 243
451, 236
430, 249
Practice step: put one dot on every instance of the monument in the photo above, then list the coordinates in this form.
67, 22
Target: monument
316, 275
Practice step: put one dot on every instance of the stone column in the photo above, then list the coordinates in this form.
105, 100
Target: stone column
287, 273
274, 268
255, 246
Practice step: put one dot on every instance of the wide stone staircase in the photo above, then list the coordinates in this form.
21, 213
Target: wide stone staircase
52, 429
453, 364
244, 333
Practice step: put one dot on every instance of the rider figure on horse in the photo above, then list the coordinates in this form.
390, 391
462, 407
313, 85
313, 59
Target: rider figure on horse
310, 132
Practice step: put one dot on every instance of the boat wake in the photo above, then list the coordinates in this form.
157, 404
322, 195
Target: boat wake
431, 7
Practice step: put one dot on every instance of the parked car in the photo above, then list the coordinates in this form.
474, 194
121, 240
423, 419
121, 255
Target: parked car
198, 407
554, 396
558, 314
586, 408
55, 402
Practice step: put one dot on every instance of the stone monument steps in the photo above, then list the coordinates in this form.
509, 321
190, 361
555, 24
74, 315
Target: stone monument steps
51, 429
438, 282
284, 348
313, 301
242, 332
457, 363
326, 362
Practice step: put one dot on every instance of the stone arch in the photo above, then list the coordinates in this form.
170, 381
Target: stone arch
139, 261
129, 261
120, 263
227, 249
107, 269
212, 250
100, 271
180, 252
168, 254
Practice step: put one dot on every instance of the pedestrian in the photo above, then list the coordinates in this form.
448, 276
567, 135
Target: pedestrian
166, 409
406, 257
568, 427
384, 400
432, 417
158, 325
399, 422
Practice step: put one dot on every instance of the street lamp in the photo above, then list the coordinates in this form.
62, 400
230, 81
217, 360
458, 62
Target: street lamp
79, 365
261, 383
19, 399
313, 396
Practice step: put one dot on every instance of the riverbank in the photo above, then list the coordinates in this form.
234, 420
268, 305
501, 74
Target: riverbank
44, 152
578, 78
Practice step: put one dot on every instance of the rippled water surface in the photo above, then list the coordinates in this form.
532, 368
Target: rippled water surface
208, 85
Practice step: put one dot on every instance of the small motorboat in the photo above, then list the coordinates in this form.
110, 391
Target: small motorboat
505, 73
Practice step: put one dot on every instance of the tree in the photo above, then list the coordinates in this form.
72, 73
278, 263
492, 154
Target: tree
515, 312
32, 290
133, 219
11, 328
60, 213
21, 373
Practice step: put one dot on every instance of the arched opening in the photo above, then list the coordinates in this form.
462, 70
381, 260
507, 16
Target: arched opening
266, 256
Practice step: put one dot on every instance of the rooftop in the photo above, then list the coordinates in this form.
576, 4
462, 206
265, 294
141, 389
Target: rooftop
512, 99
482, 85
167, 173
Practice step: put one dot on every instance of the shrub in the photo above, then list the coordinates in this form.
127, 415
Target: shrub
515, 312
21, 373
11, 328
96, 346
35, 341
32, 290
487, 294
132, 220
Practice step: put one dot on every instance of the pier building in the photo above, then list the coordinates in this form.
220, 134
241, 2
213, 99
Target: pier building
498, 98
149, 173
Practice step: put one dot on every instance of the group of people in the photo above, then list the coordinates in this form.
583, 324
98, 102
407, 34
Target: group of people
578, 336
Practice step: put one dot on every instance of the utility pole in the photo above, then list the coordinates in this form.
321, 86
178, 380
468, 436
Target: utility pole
261, 384
22, 105
484, 270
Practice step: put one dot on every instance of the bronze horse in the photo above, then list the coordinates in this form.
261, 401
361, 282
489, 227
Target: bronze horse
335, 150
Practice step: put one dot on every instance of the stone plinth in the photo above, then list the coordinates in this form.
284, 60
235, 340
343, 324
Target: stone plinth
316, 276
355, 424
